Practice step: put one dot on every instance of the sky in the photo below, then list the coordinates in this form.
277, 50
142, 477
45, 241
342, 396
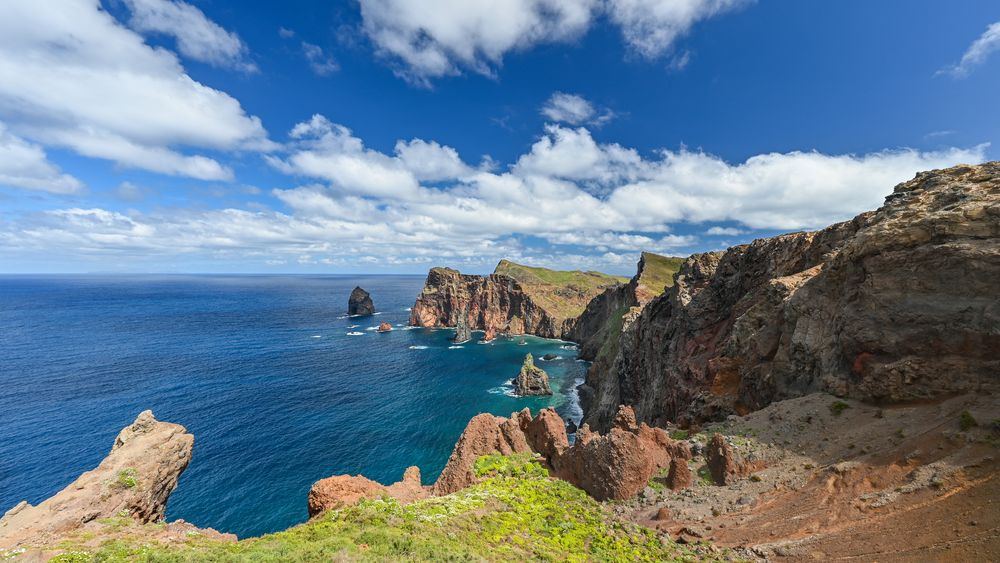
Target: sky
390, 136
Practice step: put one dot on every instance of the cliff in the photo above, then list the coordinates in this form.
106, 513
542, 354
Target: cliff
514, 299
360, 303
895, 305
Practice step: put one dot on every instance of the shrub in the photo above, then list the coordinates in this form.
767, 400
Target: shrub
679, 435
838, 407
127, 478
966, 421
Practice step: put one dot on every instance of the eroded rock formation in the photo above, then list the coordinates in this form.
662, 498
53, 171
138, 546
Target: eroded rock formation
616, 465
897, 304
134, 480
360, 303
345, 490
531, 380
384, 327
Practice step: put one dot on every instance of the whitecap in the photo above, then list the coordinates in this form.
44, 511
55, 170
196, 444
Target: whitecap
418, 347
506, 389
408, 309
568, 347
372, 328
455, 347
343, 316
355, 334
316, 336
579, 360
353, 326
550, 359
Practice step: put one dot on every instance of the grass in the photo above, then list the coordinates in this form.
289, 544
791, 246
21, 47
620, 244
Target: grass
516, 513
563, 294
658, 272
966, 421
838, 407
128, 478
679, 435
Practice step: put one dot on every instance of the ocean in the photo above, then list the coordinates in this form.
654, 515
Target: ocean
279, 387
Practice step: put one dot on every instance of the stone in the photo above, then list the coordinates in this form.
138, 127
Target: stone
462, 331
662, 514
895, 305
532, 380
549, 357
360, 303
135, 479
724, 463
339, 491
384, 327
679, 476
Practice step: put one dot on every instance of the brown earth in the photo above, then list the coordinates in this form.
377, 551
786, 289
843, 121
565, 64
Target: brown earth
901, 483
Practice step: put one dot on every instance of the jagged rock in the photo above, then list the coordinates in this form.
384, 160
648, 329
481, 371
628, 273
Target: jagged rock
360, 303
679, 476
532, 380
134, 480
346, 490
895, 305
613, 466
462, 331
724, 463
549, 357
384, 327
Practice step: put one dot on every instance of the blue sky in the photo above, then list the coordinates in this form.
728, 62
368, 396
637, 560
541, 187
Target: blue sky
391, 136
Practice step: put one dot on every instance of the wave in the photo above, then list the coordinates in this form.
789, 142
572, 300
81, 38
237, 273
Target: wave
505, 389
569, 347
344, 316
353, 326
355, 334
316, 336
550, 359
408, 309
418, 347
455, 347
372, 328
579, 360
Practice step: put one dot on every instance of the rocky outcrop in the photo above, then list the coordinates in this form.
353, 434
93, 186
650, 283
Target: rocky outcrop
616, 465
725, 464
133, 481
384, 327
462, 331
532, 380
360, 303
897, 304
346, 490
512, 300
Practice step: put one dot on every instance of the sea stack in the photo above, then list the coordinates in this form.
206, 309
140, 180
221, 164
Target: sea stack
385, 327
532, 381
360, 303
462, 331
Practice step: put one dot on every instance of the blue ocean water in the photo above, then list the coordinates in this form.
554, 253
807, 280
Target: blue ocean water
261, 369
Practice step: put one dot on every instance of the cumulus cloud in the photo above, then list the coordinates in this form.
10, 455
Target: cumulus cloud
71, 76
651, 27
438, 38
978, 52
197, 36
574, 110
25, 165
423, 203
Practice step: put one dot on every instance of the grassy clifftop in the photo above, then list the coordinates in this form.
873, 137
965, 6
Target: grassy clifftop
564, 294
657, 274
516, 513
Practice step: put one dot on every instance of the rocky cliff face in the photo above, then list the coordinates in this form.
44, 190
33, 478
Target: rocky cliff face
897, 304
496, 304
133, 481
531, 380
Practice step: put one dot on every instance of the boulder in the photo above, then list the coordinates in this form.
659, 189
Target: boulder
360, 303
346, 490
134, 480
384, 327
724, 463
532, 380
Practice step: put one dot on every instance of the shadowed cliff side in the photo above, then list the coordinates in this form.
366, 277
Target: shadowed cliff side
897, 304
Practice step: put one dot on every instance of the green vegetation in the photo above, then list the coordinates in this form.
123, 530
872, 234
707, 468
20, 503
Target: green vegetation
966, 421
838, 407
679, 435
128, 478
563, 294
516, 513
658, 272
705, 476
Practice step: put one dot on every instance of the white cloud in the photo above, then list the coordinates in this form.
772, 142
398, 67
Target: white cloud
197, 36
725, 232
319, 62
424, 204
651, 27
439, 37
71, 76
25, 165
574, 110
978, 52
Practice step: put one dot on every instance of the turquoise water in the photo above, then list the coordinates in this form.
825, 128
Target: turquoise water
261, 369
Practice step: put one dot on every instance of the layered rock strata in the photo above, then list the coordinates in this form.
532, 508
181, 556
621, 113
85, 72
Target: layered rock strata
894, 305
